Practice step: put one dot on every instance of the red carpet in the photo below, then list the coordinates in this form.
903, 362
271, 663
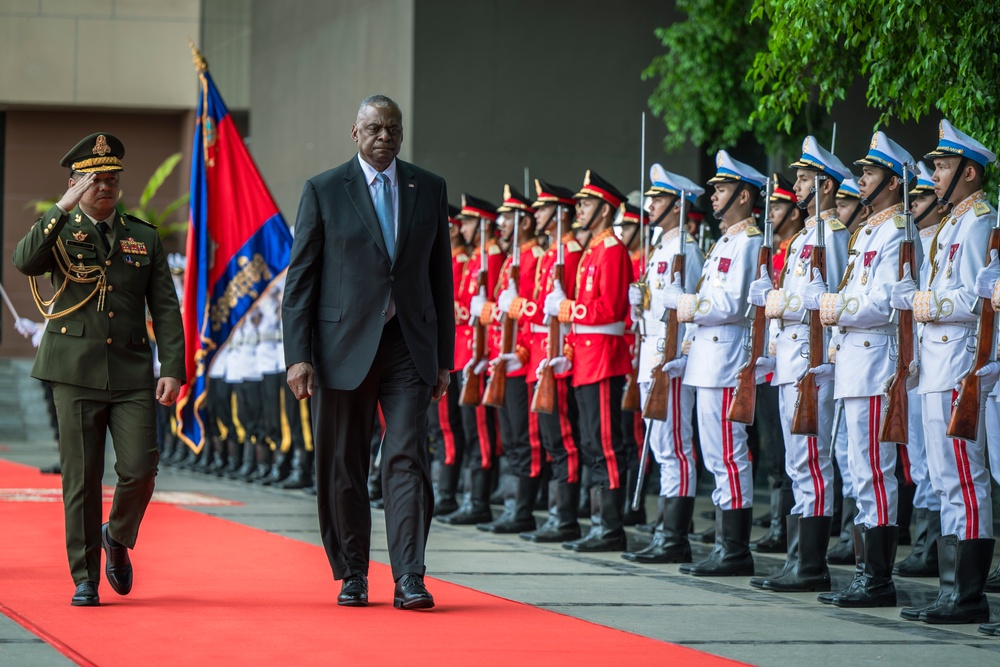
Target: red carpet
213, 592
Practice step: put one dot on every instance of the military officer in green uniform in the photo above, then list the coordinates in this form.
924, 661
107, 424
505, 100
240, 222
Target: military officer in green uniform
106, 269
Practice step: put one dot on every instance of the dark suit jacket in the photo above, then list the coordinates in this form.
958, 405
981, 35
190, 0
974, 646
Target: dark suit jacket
341, 276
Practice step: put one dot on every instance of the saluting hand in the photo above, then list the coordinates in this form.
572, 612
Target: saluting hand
300, 379
75, 192
167, 390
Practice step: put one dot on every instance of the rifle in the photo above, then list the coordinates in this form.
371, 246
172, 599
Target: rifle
659, 387
895, 418
744, 401
631, 401
964, 422
805, 419
471, 382
496, 386
544, 399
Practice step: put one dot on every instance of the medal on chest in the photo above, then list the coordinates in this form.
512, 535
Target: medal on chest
722, 273
800, 265
869, 258
951, 259
589, 286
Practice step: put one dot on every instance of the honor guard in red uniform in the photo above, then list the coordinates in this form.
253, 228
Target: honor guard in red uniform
510, 301
478, 225
600, 358
558, 427
717, 353
448, 410
633, 428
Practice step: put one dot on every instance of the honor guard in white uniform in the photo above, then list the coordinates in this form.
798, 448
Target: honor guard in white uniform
670, 441
923, 558
864, 363
807, 457
718, 308
948, 310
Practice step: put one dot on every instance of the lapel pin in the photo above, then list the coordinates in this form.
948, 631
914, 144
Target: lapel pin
410, 185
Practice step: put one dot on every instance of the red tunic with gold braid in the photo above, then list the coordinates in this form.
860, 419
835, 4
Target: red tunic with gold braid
463, 332
531, 252
545, 271
598, 313
470, 285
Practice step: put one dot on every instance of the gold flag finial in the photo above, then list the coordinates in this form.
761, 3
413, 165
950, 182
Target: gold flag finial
200, 64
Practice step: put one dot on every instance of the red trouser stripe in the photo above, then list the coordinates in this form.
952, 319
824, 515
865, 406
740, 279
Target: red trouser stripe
728, 454
639, 427
675, 415
875, 459
566, 429
483, 431
819, 486
904, 457
446, 433
534, 439
607, 445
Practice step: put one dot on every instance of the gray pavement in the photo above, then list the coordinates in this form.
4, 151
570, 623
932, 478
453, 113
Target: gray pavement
723, 616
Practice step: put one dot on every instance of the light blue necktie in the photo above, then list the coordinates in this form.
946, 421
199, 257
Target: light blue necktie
383, 209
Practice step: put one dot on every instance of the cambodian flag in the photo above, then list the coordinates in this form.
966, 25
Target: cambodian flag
237, 244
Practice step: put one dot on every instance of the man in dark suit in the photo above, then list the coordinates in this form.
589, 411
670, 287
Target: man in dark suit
369, 320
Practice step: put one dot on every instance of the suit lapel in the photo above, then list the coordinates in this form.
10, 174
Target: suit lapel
357, 190
407, 198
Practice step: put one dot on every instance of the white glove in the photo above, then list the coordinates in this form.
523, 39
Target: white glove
673, 292
36, 338
634, 295
765, 366
675, 367
913, 378
507, 297
988, 276
757, 295
988, 374
26, 327
903, 291
478, 369
510, 359
476, 306
554, 299
560, 365
812, 291
823, 373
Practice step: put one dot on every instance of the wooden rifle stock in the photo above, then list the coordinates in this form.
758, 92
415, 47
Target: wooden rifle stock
659, 387
744, 402
471, 382
805, 419
895, 420
630, 396
544, 399
496, 386
964, 422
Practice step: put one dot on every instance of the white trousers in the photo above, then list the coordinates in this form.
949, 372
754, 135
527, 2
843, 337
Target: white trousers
840, 455
724, 448
807, 458
958, 471
671, 442
993, 435
872, 463
915, 458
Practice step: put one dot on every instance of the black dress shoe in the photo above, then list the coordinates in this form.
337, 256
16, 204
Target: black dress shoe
117, 567
86, 595
354, 591
411, 593
54, 469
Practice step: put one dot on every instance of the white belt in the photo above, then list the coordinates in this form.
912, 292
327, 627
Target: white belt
612, 329
539, 328
971, 326
876, 331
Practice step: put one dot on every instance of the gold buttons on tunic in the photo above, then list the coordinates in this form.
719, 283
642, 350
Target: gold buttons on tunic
63, 330
944, 339
107, 262
109, 341
80, 256
867, 344
111, 288
794, 336
111, 313
715, 338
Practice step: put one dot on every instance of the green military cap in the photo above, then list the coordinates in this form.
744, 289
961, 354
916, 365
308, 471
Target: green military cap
98, 152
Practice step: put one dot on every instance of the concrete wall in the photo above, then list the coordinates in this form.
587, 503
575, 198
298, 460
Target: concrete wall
106, 53
311, 64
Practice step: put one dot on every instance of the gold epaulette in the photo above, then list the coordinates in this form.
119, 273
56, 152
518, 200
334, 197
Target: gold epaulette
899, 221
690, 239
611, 241
461, 257
573, 246
537, 251
753, 230
980, 208
835, 225
493, 250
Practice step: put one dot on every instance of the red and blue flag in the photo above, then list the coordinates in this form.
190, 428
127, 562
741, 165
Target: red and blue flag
237, 245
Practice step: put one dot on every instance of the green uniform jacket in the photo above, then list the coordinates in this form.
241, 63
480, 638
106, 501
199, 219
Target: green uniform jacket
105, 347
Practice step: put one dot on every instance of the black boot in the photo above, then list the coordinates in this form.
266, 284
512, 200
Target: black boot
281, 468
993, 581
445, 502
842, 553
632, 517
608, 533
946, 548
923, 558
219, 456
565, 527
476, 509
731, 556
670, 540
204, 464
858, 543
967, 602
233, 458
246, 468
809, 573
905, 510
299, 475
520, 518
992, 629
875, 587
262, 468
775, 540
791, 557
586, 494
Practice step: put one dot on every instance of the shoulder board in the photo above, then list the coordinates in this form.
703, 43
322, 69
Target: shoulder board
981, 208
493, 250
899, 221
132, 218
573, 246
753, 230
537, 251
835, 225
690, 239
462, 257
611, 241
